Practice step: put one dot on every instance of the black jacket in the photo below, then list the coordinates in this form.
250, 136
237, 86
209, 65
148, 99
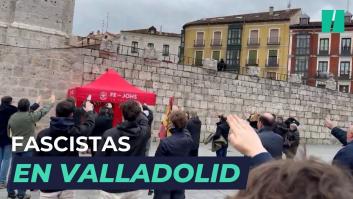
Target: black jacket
340, 134
280, 129
293, 139
179, 144
194, 127
5, 113
65, 127
149, 116
222, 130
138, 131
102, 124
272, 142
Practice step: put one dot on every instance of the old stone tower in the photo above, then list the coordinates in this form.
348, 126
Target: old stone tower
36, 23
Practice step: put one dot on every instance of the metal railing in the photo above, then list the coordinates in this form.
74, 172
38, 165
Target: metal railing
346, 51
272, 62
253, 42
252, 62
216, 42
324, 53
199, 43
273, 41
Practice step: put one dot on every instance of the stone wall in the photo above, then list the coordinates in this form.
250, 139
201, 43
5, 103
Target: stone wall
210, 93
28, 73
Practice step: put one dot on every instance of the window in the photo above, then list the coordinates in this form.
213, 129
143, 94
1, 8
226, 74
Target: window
217, 38
301, 64
343, 88
304, 20
274, 36
216, 55
233, 57
303, 44
252, 57
254, 37
344, 68
234, 36
324, 46
134, 47
200, 38
198, 58
345, 45
272, 58
150, 45
271, 75
165, 50
322, 67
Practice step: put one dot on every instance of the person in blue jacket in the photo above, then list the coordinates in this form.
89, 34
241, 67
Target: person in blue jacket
344, 156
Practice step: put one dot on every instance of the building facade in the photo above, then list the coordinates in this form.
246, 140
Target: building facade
150, 43
257, 40
322, 57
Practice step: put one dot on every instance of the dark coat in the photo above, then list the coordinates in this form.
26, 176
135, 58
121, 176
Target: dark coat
179, 144
138, 131
344, 157
194, 127
102, 124
272, 142
5, 113
222, 130
65, 127
292, 139
149, 116
280, 129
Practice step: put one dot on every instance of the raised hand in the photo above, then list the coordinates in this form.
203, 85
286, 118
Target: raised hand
243, 137
52, 99
88, 106
329, 123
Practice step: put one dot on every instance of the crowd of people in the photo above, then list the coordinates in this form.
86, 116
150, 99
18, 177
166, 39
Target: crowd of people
262, 137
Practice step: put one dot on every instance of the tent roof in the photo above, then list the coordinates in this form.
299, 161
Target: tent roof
111, 87
111, 80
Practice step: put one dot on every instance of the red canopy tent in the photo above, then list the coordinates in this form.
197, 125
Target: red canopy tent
110, 87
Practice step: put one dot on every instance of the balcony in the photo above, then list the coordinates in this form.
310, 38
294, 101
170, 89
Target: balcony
216, 43
271, 41
322, 75
344, 76
199, 43
252, 62
254, 42
323, 53
272, 62
346, 51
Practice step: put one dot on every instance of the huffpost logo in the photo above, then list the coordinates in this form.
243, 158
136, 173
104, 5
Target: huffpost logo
332, 16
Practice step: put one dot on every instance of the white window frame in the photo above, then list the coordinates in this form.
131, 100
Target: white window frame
257, 55
322, 60
342, 84
268, 54
348, 59
325, 36
258, 34
342, 36
220, 54
203, 55
279, 33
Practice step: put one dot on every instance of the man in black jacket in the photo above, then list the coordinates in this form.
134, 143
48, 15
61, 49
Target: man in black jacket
6, 110
63, 125
179, 144
344, 157
194, 127
135, 126
272, 142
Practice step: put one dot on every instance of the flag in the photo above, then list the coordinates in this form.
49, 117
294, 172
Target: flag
164, 129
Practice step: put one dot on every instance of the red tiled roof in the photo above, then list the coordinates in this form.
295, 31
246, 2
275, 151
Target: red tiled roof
280, 15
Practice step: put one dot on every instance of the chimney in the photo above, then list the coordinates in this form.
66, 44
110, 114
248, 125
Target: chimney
271, 10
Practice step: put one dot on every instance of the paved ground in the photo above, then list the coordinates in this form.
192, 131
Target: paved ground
323, 152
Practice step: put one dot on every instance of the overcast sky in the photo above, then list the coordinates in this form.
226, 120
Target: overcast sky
172, 14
